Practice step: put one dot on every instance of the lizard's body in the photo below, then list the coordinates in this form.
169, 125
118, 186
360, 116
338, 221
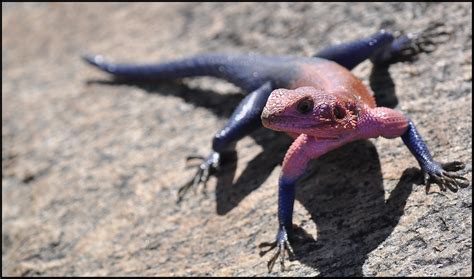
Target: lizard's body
316, 100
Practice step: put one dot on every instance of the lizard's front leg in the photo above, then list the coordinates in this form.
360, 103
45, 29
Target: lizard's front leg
390, 124
244, 120
443, 174
303, 149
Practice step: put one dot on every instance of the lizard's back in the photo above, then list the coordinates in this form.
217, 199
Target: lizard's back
332, 78
248, 71
292, 72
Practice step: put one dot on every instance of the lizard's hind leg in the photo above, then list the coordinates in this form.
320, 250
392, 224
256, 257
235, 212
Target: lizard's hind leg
352, 53
385, 48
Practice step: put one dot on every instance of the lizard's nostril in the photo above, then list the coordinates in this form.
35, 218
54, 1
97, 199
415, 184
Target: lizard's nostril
339, 112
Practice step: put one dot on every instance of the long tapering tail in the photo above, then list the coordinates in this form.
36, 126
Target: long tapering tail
247, 71
202, 65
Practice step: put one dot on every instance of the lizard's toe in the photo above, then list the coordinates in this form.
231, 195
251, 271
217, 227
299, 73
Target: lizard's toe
283, 246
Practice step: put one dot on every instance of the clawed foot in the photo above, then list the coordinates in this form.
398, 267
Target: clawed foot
205, 170
282, 244
446, 176
406, 47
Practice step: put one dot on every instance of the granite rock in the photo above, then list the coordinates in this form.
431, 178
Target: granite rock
91, 167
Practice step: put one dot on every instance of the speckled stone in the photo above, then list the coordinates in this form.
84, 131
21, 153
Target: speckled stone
91, 168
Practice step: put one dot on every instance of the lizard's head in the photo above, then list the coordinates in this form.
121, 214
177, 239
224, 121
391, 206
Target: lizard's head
311, 111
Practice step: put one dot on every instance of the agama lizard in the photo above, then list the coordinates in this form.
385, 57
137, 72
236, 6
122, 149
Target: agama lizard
317, 100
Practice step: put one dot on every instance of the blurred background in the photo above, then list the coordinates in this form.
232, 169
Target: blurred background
91, 166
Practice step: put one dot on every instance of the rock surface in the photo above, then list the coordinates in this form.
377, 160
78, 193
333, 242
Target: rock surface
91, 168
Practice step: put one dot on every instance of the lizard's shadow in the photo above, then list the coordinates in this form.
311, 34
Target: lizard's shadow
383, 86
350, 211
220, 104
274, 145
228, 193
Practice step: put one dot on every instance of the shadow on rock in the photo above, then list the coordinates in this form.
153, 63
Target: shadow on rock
383, 86
256, 172
351, 214
221, 105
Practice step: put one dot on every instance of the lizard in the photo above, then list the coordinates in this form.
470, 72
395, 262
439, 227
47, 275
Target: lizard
316, 100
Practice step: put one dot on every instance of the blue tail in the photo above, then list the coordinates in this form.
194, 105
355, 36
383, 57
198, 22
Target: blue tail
247, 71
204, 65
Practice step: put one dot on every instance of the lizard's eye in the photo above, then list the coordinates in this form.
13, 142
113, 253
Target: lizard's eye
305, 106
339, 112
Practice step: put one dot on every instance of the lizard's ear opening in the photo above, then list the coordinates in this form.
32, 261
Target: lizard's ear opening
353, 108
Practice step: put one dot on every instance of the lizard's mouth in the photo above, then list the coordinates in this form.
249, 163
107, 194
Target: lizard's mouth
291, 123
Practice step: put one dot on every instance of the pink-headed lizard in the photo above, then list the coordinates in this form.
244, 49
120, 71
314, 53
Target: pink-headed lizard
315, 99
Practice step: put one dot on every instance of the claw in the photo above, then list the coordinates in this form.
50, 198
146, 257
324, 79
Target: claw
454, 176
283, 245
424, 41
426, 181
453, 166
272, 261
191, 158
430, 37
266, 244
194, 157
206, 168
451, 185
446, 177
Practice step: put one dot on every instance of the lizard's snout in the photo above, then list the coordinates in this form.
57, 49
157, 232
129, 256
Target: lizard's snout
267, 117
274, 107
266, 113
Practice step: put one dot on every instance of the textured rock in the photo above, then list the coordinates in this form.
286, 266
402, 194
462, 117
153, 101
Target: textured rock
90, 168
